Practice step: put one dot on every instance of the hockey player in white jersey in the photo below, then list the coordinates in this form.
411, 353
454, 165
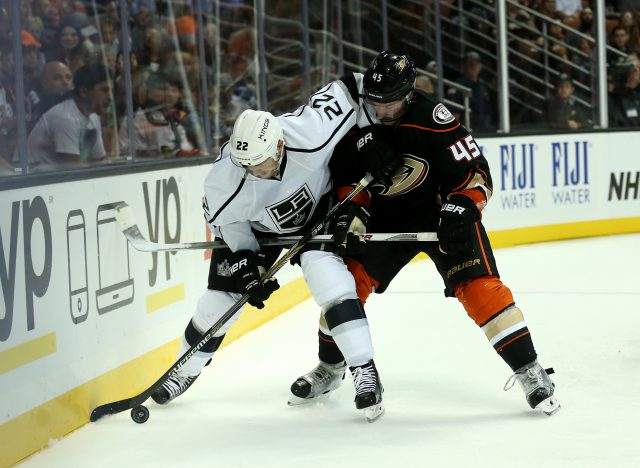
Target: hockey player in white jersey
272, 178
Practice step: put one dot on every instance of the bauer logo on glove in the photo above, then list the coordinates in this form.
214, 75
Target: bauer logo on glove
455, 229
453, 208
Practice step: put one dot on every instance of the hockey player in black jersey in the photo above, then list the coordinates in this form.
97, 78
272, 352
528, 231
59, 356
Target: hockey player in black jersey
442, 185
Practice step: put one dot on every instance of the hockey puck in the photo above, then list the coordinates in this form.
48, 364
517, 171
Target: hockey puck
140, 414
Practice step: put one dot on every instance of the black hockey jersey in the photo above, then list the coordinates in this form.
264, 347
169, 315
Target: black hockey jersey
440, 157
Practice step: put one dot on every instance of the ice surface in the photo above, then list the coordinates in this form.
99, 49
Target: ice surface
443, 382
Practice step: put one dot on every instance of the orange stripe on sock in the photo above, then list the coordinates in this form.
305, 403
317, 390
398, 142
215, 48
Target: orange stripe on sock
512, 340
326, 340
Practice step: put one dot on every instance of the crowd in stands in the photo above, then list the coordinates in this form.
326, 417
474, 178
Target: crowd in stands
67, 42
551, 63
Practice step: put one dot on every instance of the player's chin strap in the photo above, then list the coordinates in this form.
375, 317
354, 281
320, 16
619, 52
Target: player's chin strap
128, 403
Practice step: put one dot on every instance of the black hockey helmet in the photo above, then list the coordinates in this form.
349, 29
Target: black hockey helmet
390, 77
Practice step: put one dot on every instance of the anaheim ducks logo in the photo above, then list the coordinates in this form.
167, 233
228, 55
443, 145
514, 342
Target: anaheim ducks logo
442, 115
401, 64
409, 176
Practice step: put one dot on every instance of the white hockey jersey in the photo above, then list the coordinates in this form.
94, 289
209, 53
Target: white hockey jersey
237, 202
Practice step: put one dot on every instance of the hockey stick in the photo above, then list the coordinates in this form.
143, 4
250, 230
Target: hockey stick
131, 231
135, 401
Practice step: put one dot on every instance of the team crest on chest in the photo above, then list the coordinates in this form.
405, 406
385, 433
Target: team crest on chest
442, 115
413, 172
293, 212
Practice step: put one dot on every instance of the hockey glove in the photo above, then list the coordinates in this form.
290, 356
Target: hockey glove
350, 222
378, 157
457, 217
247, 273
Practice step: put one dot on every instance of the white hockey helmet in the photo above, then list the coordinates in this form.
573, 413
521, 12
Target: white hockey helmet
255, 138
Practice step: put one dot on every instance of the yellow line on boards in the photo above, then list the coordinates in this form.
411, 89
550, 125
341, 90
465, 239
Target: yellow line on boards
165, 297
27, 352
555, 232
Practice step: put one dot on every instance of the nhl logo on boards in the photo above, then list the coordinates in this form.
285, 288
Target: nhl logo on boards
442, 115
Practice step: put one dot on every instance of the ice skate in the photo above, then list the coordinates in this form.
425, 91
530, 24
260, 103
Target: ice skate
537, 387
368, 390
321, 380
173, 387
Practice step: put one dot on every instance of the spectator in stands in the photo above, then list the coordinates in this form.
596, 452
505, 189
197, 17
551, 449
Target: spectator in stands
548, 8
7, 106
51, 22
210, 33
31, 65
634, 34
184, 28
584, 59
143, 14
587, 26
71, 48
119, 85
158, 128
56, 80
626, 20
624, 100
480, 100
563, 109
559, 54
619, 39
150, 54
240, 53
70, 133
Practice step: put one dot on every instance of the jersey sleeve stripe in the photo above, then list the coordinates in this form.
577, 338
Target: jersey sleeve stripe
219, 157
427, 129
313, 150
463, 185
351, 86
291, 114
233, 195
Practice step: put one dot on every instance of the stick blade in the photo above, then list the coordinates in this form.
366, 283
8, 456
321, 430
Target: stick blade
110, 408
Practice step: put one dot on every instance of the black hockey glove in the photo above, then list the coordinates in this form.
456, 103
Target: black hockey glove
457, 217
352, 220
247, 272
378, 157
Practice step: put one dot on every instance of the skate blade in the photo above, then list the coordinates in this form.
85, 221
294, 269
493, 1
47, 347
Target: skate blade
373, 413
297, 401
550, 406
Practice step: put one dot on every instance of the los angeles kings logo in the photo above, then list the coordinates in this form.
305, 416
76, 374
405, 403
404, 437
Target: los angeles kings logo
293, 212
